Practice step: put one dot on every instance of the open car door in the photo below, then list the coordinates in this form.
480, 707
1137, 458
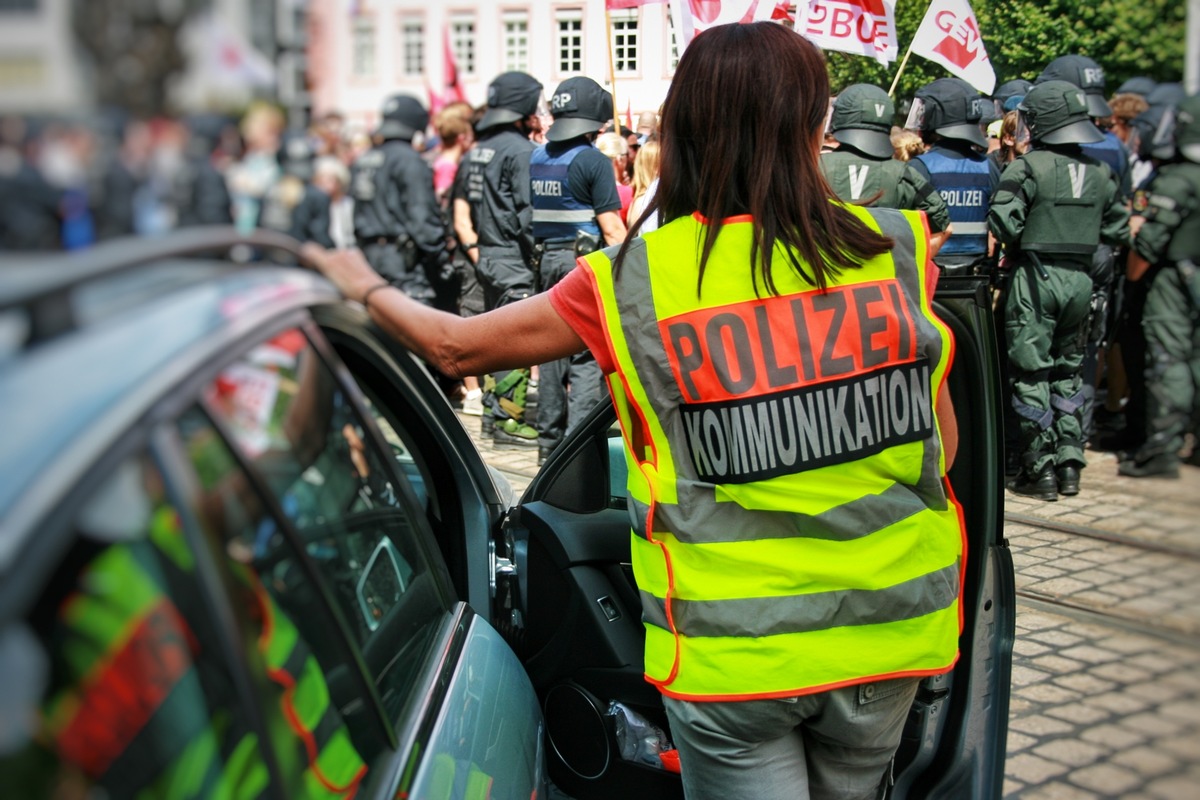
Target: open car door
577, 616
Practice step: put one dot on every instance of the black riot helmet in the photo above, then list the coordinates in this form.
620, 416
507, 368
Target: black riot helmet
579, 106
511, 96
1010, 93
403, 117
1187, 129
1084, 73
951, 108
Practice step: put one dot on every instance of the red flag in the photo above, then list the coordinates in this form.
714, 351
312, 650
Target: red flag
436, 102
628, 115
454, 91
617, 5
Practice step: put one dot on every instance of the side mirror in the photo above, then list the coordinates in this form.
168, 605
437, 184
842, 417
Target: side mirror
381, 584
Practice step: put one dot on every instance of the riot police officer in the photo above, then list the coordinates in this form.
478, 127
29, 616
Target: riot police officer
576, 209
495, 181
1053, 207
1086, 74
948, 113
1167, 250
293, 205
864, 170
397, 220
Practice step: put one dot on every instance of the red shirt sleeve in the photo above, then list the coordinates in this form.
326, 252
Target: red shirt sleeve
577, 302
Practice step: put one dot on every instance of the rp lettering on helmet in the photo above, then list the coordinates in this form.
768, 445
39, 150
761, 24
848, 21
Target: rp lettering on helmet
1092, 77
564, 101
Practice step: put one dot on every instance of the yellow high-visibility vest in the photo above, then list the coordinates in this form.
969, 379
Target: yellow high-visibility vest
793, 530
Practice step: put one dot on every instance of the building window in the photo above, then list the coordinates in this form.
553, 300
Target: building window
412, 45
570, 41
462, 44
363, 42
625, 41
516, 42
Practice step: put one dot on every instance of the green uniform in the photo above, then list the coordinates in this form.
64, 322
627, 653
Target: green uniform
858, 178
1053, 207
1170, 241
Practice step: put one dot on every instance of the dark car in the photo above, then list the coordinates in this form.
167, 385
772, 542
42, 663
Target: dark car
247, 549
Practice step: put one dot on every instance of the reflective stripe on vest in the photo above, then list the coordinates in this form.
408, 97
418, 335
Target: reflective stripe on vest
966, 186
133, 670
786, 474
557, 214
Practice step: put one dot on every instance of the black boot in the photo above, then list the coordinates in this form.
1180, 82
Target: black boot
1068, 478
1042, 486
1163, 465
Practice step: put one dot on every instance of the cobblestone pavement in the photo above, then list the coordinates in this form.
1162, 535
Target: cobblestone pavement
1106, 667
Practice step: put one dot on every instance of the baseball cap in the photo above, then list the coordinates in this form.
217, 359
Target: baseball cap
1057, 112
862, 118
510, 97
1084, 73
579, 105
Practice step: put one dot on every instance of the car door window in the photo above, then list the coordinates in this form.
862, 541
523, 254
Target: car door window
138, 696
356, 516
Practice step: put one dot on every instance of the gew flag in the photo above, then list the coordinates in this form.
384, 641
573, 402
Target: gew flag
949, 35
862, 27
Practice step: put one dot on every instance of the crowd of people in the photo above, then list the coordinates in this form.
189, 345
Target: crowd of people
1073, 202
476, 208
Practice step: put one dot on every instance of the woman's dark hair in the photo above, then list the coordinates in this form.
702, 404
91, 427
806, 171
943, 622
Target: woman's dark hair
741, 130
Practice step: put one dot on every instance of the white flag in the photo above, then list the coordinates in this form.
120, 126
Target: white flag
949, 35
690, 17
862, 27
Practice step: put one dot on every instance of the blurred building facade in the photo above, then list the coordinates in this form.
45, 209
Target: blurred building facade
360, 51
39, 68
57, 57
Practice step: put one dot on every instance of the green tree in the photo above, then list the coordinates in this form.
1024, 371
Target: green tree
1126, 37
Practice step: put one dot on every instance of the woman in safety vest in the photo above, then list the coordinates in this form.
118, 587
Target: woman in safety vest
779, 376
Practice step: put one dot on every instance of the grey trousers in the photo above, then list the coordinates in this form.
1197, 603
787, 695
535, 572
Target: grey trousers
836, 744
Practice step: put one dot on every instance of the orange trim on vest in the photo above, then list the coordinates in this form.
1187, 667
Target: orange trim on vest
704, 698
703, 220
288, 682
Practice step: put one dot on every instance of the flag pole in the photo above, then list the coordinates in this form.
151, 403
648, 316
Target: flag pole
612, 70
900, 71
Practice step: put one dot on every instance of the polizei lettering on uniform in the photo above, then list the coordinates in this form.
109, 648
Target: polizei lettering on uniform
963, 197
763, 437
547, 188
768, 344
800, 381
